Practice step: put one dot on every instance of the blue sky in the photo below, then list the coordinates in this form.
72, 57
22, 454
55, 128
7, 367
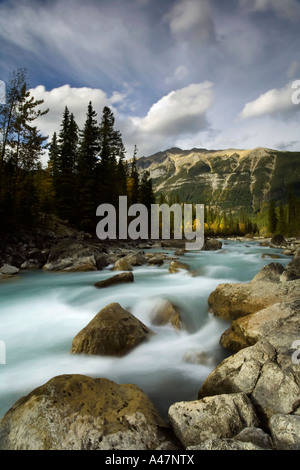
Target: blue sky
190, 73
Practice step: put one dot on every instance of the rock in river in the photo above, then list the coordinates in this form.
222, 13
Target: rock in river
113, 332
76, 412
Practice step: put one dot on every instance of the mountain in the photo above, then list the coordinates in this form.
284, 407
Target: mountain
228, 179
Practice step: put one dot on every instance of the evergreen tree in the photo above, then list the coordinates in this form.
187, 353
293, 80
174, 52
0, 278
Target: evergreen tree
65, 173
272, 217
110, 170
22, 144
133, 185
87, 162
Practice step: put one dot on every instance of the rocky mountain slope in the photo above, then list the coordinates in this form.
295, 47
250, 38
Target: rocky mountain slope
231, 178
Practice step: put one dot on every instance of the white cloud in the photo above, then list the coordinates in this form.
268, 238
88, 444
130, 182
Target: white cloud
192, 18
272, 102
175, 117
76, 99
179, 114
289, 9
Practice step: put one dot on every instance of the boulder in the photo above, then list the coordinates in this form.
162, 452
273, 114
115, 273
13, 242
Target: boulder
266, 375
122, 265
156, 259
71, 256
230, 301
117, 279
166, 313
113, 331
9, 270
277, 323
76, 412
293, 268
221, 416
136, 259
278, 241
176, 266
212, 244
285, 430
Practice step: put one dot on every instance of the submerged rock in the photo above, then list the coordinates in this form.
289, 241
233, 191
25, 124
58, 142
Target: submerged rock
165, 313
113, 331
117, 279
76, 412
176, 266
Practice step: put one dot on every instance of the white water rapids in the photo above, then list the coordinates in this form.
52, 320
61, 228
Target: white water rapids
40, 313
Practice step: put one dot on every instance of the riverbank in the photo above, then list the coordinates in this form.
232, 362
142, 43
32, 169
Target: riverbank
160, 358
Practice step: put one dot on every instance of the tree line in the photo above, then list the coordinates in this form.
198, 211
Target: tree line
86, 167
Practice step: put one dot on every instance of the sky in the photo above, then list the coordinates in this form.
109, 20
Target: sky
212, 74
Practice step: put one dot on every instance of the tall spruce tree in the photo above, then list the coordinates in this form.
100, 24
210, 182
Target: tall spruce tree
65, 172
111, 168
87, 165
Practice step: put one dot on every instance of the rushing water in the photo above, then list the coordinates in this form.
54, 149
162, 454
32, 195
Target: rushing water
41, 312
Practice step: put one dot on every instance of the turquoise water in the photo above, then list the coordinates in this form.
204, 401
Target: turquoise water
41, 312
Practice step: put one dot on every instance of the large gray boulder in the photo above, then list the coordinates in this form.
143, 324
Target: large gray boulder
113, 332
222, 416
285, 430
76, 412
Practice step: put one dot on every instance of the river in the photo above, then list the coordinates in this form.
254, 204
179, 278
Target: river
41, 312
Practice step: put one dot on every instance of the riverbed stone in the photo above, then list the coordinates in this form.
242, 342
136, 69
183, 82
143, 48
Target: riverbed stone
230, 301
113, 332
221, 416
122, 265
76, 412
166, 313
8, 270
117, 279
211, 244
176, 266
285, 430
71, 256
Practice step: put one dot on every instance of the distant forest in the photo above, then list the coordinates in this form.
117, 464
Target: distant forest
87, 167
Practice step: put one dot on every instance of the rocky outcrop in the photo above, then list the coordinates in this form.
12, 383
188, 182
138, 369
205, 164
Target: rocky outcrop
166, 313
7, 271
176, 266
231, 301
211, 244
113, 331
221, 416
76, 412
70, 255
117, 279
264, 327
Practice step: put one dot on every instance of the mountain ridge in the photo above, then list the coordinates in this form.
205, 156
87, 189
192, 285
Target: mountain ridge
229, 178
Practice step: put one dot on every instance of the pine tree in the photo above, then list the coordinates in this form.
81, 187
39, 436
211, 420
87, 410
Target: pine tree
133, 184
65, 177
110, 167
272, 217
87, 162
22, 145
